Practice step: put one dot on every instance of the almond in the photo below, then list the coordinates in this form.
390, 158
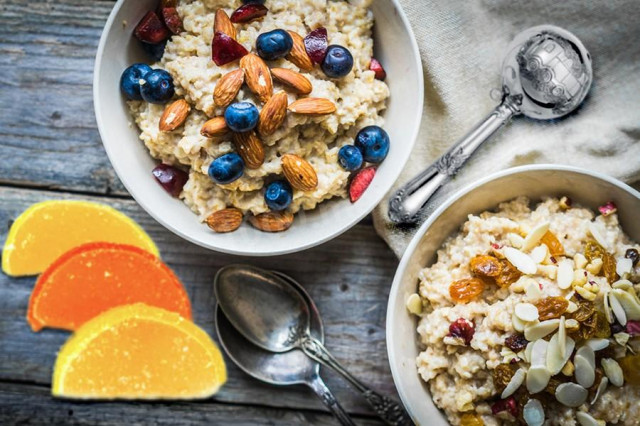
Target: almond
214, 128
227, 87
223, 24
174, 115
300, 174
250, 149
272, 221
226, 220
293, 79
257, 76
273, 114
312, 106
298, 54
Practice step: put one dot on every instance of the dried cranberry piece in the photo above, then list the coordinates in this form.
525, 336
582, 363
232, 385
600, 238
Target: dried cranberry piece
608, 208
172, 19
633, 328
249, 12
360, 183
171, 179
376, 67
224, 49
508, 405
151, 29
516, 342
633, 255
316, 43
463, 329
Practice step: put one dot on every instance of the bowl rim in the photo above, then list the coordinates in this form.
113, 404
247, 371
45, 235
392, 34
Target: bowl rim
294, 248
394, 292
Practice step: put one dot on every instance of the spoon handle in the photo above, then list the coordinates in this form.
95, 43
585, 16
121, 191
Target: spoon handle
386, 408
330, 401
406, 204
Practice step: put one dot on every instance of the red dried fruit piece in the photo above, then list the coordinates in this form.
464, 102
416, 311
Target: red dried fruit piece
516, 342
172, 20
508, 405
633, 328
608, 208
171, 179
463, 329
360, 183
224, 49
316, 43
376, 67
249, 12
151, 29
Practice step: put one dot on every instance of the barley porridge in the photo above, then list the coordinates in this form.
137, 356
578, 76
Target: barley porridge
532, 316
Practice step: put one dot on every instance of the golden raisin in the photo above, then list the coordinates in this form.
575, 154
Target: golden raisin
502, 375
551, 307
554, 382
553, 244
485, 266
593, 250
584, 311
609, 268
631, 368
465, 290
469, 419
508, 275
602, 329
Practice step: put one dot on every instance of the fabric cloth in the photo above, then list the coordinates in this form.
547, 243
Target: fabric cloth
462, 44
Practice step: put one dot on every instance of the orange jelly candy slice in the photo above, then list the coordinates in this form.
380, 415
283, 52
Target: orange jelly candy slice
95, 277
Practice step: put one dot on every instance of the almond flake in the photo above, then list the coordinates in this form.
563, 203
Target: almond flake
601, 388
518, 324
585, 364
534, 236
596, 232
585, 419
538, 354
571, 324
527, 312
571, 394
629, 301
520, 260
528, 350
622, 284
607, 308
541, 329
562, 337
580, 261
565, 273
533, 290
515, 240
414, 304
533, 413
597, 344
622, 338
514, 384
616, 307
623, 266
539, 254
572, 307
613, 371
554, 361
537, 378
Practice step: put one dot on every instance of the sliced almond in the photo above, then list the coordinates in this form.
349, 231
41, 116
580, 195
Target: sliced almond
629, 301
622, 338
623, 266
518, 324
250, 148
571, 324
527, 312
300, 174
580, 261
537, 378
272, 221
533, 237
514, 384
273, 114
223, 24
257, 76
226, 220
298, 82
585, 366
597, 344
539, 253
520, 260
562, 336
565, 273
174, 115
571, 394
313, 106
555, 362
616, 307
597, 233
613, 371
622, 284
533, 290
298, 54
527, 352
414, 304
214, 128
585, 419
533, 413
601, 388
515, 240
608, 314
542, 329
539, 352
227, 87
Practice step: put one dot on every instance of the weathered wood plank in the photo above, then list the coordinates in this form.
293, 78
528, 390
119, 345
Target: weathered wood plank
32, 405
351, 295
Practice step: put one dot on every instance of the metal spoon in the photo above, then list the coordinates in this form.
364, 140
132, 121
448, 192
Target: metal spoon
546, 74
270, 313
289, 368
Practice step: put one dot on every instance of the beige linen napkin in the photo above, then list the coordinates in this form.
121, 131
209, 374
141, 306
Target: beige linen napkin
462, 43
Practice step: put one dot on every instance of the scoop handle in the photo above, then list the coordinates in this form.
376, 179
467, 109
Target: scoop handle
407, 203
386, 408
330, 401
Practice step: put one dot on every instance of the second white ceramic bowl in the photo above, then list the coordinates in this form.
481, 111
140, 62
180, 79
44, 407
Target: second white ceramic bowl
395, 47
585, 187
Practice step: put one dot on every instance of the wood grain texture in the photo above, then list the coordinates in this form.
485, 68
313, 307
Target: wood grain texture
351, 295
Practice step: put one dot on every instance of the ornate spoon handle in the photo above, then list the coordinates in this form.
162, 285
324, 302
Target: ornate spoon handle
386, 408
408, 201
330, 401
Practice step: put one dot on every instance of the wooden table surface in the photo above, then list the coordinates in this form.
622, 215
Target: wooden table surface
50, 149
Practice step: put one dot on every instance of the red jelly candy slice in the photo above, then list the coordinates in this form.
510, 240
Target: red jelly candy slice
224, 49
249, 12
151, 29
316, 43
172, 19
171, 179
360, 183
376, 67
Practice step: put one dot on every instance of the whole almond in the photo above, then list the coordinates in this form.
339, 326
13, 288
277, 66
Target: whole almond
257, 76
214, 127
226, 220
227, 87
313, 106
174, 115
293, 79
272, 221
298, 54
223, 24
250, 149
273, 114
300, 174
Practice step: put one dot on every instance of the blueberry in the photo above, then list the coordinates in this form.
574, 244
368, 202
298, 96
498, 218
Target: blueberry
274, 44
350, 157
373, 141
337, 62
130, 80
278, 195
155, 51
158, 87
241, 116
227, 168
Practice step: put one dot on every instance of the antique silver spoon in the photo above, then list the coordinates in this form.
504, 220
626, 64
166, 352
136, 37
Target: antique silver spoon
270, 313
546, 74
289, 368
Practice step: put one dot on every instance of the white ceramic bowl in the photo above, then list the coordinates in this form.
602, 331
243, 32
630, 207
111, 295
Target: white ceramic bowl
587, 188
395, 47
